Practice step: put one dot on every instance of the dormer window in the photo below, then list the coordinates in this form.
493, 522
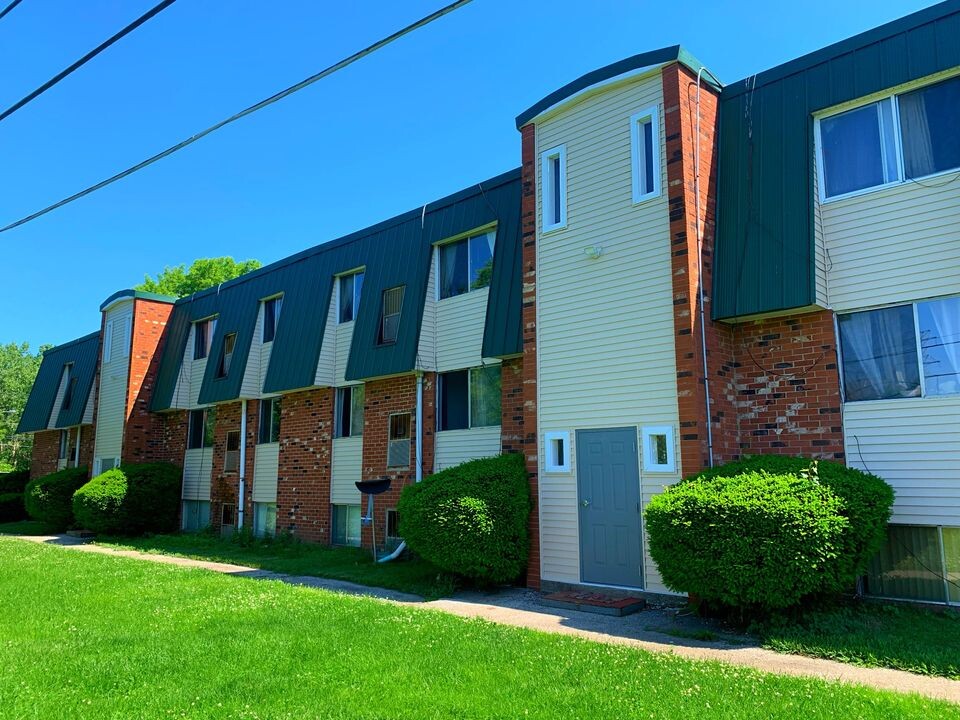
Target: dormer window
69, 383
202, 337
226, 354
348, 294
390, 315
271, 316
466, 264
553, 188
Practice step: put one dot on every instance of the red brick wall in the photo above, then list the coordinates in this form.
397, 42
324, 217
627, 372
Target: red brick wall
224, 486
383, 398
528, 228
511, 405
46, 450
143, 436
303, 486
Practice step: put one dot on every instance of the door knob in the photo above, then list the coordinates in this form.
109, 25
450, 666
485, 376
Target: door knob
585, 503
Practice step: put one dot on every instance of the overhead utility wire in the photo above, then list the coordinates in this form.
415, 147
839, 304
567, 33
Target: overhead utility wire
86, 58
243, 113
9, 7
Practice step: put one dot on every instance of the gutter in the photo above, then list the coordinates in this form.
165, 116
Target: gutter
243, 462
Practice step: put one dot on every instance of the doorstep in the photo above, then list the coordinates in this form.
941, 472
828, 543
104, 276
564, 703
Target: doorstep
592, 602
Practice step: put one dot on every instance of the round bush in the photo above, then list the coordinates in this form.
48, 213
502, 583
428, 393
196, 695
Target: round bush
130, 500
471, 519
50, 498
754, 540
866, 501
11, 507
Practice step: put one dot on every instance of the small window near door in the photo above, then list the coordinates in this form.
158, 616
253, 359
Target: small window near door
349, 412
398, 445
348, 294
658, 450
390, 315
271, 316
231, 458
557, 446
269, 421
226, 354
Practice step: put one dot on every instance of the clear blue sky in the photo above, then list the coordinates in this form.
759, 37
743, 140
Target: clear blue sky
425, 117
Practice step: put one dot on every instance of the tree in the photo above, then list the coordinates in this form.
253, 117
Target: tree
18, 370
178, 281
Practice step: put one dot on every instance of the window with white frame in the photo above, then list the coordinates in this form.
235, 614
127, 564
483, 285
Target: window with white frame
195, 515
271, 317
200, 428
348, 296
348, 409
658, 450
897, 138
553, 188
346, 525
64, 444
202, 335
107, 341
264, 519
468, 398
645, 153
269, 431
557, 456
902, 351
398, 440
231, 456
465, 264
390, 315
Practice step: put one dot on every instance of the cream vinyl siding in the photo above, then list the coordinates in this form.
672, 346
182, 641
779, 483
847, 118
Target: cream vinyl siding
266, 462
88, 410
187, 391
111, 408
58, 400
344, 337
913, 444
328, 352
819, 249
893, 245
427, 347
257, 362
197, 469
459, 338
346, 470
453, 447
605, 327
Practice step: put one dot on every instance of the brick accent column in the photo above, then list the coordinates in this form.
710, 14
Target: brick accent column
46, 452
303, 483
528, 228
511, 405
224, 486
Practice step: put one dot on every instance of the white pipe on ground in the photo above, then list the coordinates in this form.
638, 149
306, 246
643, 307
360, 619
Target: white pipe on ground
243, 462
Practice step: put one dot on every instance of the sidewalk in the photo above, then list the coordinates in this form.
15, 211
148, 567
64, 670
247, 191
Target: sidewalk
521, 608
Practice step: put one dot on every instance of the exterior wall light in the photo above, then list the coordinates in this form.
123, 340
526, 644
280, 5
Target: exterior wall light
593, 251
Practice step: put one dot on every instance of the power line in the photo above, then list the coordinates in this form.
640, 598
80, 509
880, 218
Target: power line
248, 111
86, 58
9, 7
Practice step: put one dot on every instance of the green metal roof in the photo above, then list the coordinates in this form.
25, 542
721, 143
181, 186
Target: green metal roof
764, 259
394, 252
84, 354
636, 62
142, 294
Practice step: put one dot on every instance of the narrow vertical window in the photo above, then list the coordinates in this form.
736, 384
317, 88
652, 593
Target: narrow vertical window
348, 293
226, 354
645, 153
202, 334
553, 188
107, 341
271, 316
390, 315
69, 382
231, 458
269, 430
349, 412
398, 444
64, 444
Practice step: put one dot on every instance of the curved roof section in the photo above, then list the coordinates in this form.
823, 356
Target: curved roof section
83, 353
131, 294
652, 58
394, 252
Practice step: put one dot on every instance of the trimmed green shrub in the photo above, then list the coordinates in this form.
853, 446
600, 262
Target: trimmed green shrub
752, 541
130, 500
50, 498
14, 482
11, 507
471, 519
866, 503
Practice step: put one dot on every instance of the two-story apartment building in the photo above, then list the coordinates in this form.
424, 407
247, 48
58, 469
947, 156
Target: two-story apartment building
680, 273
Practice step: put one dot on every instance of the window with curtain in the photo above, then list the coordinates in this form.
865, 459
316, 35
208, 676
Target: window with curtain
466, 264
929, 118
858, 149
202, 335
349, 411
468, 398
226, 354
485, 396
349, 296
938, 323
271, 316
879, 351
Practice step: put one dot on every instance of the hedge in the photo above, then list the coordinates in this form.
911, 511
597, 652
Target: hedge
14, 482
866, 502
753, 541
130, 500
50, 498
471, 519
11, 507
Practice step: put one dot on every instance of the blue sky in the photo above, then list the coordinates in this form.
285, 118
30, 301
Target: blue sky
425, 117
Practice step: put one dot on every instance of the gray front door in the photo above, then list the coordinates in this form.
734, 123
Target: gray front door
608, 484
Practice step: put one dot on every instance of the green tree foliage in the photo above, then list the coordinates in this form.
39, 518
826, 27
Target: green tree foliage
18, 370
203, 273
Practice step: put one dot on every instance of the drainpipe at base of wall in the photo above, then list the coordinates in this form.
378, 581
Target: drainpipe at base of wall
419, 463
243, 462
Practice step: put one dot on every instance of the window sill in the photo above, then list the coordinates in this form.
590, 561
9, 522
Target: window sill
641, 199
547, 229
887, 186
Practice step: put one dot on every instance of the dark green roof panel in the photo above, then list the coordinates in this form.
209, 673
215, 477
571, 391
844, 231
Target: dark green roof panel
394, 252
83, 353
764, 245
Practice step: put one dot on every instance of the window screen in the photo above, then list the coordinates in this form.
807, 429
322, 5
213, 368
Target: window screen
390, 315
879, 349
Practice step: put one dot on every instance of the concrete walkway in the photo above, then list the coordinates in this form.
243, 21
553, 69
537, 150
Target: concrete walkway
521, 608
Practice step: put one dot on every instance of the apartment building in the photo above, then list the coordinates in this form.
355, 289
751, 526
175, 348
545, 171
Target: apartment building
681, 272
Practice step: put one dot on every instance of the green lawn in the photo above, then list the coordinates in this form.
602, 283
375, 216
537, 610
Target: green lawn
25, 527
297, 558
921, 641
92, 636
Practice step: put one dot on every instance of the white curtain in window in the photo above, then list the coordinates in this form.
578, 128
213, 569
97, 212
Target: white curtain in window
940, 345
880, 354
918, 159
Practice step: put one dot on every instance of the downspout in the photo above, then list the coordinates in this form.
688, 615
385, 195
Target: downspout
243, 462
703, 318
76, 450
419, 461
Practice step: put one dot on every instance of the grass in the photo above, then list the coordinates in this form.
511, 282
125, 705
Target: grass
25, 527
92, 636
297, 558
873, 635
